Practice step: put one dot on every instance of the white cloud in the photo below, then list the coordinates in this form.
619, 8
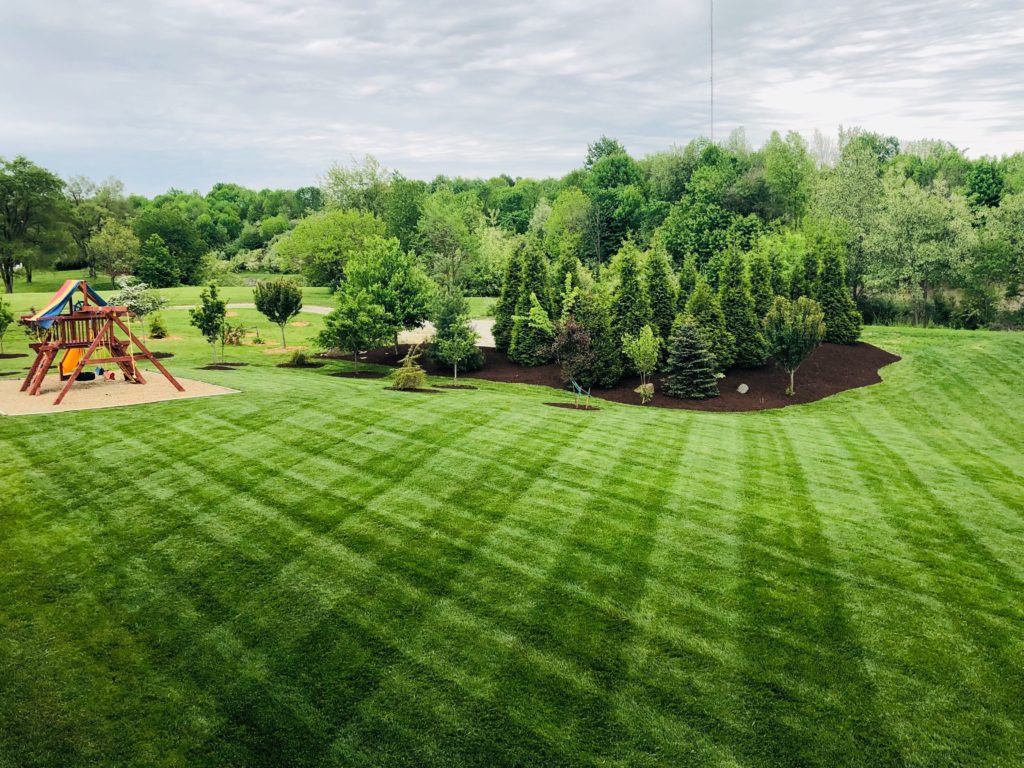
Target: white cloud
190, 92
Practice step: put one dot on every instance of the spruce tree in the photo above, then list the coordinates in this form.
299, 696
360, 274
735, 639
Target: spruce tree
738, 309
631, 307
661, 291
688, 276
604, 368
842, 320
706, 313
760, 271
505, 308
690, 368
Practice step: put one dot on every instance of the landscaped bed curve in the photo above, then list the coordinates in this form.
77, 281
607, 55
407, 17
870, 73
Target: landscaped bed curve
832, 368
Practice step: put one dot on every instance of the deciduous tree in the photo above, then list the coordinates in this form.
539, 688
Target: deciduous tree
794, 330
279, 301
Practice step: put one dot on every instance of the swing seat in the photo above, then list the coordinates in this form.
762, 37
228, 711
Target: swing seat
86, 376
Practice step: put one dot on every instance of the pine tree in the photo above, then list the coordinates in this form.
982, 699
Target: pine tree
706, 313
505, 308
532, 335
760, 271
631, 307
604, 369
688, 276
738, 309
661, 291
690, 368
842, 320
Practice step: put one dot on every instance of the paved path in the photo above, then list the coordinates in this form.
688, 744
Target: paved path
483, 326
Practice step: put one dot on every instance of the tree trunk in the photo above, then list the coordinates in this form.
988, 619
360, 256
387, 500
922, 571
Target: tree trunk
213, 352
792, 386
28, 273
284, 344
455, 378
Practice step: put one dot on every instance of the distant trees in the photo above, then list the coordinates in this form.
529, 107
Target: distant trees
794, 330
321, 244
184, 245
32, 214
279, 301
6, 319
155, 266
114, 249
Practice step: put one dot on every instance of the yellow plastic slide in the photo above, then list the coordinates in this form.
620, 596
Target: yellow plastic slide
70, 361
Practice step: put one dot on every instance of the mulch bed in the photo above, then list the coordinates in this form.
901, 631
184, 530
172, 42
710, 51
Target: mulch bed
163, 355
221, 367
303, 365
359, 374
831, 369
421, 390
9, 373
12, 355
456, 386
572, 407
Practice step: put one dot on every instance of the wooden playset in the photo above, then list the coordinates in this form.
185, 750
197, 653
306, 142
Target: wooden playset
88, 325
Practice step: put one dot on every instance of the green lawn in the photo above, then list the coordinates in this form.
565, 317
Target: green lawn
321, 572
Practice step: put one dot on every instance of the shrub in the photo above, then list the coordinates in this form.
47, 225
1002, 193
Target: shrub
690, 367
299, 359
410, 375
532, 335
977, 308
794, 329
157, 327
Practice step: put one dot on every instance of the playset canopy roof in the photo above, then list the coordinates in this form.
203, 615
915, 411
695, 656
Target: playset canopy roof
44, 318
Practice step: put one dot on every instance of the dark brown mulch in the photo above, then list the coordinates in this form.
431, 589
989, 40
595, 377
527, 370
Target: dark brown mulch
12, 355
235, 365
217, 367
359, 374
9, 373
303, 365
572, 407
456, 386
162, 355
421, 390
832, 368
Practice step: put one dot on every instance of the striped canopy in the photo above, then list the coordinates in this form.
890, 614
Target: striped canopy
44, 317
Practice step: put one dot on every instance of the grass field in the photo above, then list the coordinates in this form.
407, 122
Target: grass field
321, 572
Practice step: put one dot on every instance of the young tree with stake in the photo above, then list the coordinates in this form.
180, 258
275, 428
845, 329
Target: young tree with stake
642, 352
279, 301
209, 317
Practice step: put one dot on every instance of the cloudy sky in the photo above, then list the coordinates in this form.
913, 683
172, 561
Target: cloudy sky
185, 93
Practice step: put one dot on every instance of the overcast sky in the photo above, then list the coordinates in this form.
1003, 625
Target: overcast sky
186, 93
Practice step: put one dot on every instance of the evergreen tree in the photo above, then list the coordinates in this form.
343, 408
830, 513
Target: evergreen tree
779, 284
631, 307
760, 271
661, 291
156, 266
567, 264
454, 339
534, 281
532, 335
804, 279
705, 311
738, 309
690, 368
842, 320
604, 368
505, 308
688, 276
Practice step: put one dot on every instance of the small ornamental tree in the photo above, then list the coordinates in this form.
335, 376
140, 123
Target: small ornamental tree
138, 298
705, 311
532, 335
505, 308
603, 368
690, 367
738, 309
842, 320
761, 291
410, 374
279, 301
454, 339
156, 266
572, 350
642, 352
793, 329
356, 324
209, 317
6, 319
631, 307
661, 291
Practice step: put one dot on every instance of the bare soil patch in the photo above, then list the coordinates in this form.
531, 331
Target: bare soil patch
299, 324
572, 407
163, 355
359, 374
831, 369
281, 350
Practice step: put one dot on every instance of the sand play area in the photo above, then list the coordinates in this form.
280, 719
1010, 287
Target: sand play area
86, 395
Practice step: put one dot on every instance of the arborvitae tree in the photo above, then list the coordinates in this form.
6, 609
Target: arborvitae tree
842, 320
631, 307
661, 291
779, 284
804, 279
760, 271
794, 330
534, 280
690, 367
688, 276
566, 264
532, 335
454, 340
706, 313
738, 308
604, 368
505, 308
